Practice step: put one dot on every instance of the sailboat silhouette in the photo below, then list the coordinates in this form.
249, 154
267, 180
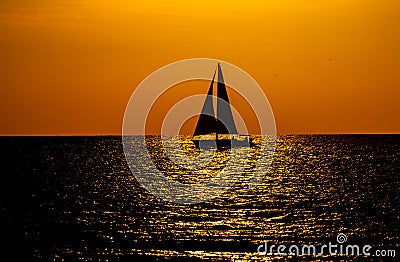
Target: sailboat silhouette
226, 134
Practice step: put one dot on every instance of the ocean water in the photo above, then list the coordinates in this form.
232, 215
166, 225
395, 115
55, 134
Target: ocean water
71, 198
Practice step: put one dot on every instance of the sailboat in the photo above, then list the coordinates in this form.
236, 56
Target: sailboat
223, 125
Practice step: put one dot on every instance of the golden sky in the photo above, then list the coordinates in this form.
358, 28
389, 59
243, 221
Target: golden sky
326, 66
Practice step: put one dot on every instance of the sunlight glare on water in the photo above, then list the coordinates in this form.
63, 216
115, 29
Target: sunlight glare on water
79, 199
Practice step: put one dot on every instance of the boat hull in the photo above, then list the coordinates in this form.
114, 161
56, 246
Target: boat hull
223, 143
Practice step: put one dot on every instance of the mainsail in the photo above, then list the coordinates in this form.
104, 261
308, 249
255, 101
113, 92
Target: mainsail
223, 123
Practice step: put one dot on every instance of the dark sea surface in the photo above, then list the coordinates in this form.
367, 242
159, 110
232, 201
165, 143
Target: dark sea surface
71, 198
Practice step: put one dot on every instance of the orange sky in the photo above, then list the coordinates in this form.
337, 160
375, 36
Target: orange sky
70, 66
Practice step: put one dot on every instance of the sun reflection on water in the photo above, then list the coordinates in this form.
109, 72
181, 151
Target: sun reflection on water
317, 186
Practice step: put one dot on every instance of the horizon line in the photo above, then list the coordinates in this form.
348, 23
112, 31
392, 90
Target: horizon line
120, 135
